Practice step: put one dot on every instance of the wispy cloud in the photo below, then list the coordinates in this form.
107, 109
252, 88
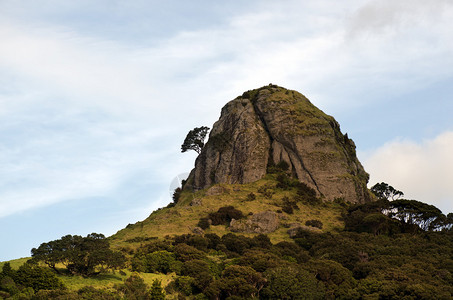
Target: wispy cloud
82, 110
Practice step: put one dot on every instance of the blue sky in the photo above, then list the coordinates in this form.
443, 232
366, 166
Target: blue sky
96, 97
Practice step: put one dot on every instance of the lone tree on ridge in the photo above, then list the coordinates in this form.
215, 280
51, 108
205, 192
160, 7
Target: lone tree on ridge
195, 139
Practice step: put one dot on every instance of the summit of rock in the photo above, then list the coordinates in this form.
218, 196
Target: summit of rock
265, 127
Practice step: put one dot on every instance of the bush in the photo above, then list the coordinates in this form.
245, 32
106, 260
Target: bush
266, 191
288, 282
213, 240
306, 194
251, 197
177, 195
204, 223
224, 215
282, 166
162, 262
288, 209
200, 271
38, 278
288, 206
185, 252
314, 223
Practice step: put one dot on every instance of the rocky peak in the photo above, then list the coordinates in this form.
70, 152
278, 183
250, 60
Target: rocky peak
270, 125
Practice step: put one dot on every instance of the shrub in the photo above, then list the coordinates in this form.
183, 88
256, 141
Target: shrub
288, 209
156, 292
162, 262
236, 243
266, 191
224, 215
38, 278
177, 195
213, 240
281, 167
200, 271
204, 223
288, 282
288, 206
306, 194
314, 223
251, 197
185, 252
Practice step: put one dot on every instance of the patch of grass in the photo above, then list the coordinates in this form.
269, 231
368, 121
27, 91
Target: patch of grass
108, 281
15, 263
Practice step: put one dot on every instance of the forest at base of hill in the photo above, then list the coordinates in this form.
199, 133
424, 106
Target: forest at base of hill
377, 256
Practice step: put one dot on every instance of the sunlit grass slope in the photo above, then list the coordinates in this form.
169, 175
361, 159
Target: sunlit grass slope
183, 217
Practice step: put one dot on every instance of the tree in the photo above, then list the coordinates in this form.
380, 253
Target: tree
195, 139
290, 282
413, 212
80, 255
134, 287
384, 191
38, 278
156, 291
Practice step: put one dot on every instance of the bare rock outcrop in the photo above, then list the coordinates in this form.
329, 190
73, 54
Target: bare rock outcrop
269, 125
262, 222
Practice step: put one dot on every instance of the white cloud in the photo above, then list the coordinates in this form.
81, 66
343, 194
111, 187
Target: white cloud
423, 171
143, 91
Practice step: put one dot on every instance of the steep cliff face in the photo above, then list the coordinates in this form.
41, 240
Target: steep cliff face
269, 125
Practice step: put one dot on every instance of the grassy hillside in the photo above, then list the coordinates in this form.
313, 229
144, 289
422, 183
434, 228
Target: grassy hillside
360, 252
183, 217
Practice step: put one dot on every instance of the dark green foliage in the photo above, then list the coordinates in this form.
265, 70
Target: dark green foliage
236, 243
7, 271
343, 265
183, 284
85, 293
236, 281
251, 197
306, 194
213, 240
369, 218
134, 287
156, 292
26, 281
266, 191
81, 255
38, 278
224, 215
337, 279
199, 242
288, 206
261, 241
384, 191
314, 223
200, 271
195, 139
285, 182
290, 282
177, 195
390, 217
280, 167
161, 262
204, 223
412, 212
259, 260
185, 253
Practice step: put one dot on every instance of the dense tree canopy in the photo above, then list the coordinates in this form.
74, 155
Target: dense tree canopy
80, 255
